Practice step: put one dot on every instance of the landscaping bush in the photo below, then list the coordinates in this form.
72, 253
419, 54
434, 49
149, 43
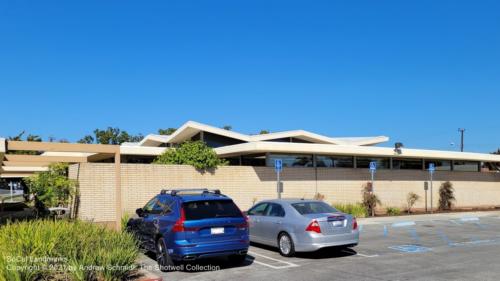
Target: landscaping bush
393, 211
370, 200
357, 209
65, 250
446, 196
194, 153
411, 199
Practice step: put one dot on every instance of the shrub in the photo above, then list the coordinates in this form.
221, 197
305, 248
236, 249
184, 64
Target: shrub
52, 188
357, 209
446, 196
411, 199
319, 196
393, 211
65, 250
194, 153
370, 200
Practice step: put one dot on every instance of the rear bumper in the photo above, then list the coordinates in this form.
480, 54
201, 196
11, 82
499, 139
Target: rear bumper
309, 242
184, 251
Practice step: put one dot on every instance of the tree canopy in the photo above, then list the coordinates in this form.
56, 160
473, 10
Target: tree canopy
167, 131
110, 135
194, 153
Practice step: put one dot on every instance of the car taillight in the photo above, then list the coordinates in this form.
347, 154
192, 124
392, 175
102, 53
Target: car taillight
314, 226
354, 224
179, 224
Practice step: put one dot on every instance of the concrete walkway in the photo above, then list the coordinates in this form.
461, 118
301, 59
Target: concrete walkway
427, 217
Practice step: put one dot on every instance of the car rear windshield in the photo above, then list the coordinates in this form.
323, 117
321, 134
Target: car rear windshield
208, 209
305, 208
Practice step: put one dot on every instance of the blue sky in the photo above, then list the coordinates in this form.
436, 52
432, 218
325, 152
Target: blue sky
415, 71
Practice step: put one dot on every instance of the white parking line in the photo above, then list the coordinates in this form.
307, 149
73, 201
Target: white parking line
288, 264
359, 254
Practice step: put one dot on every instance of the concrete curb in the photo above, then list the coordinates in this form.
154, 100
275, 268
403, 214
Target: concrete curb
427, 217
148, 276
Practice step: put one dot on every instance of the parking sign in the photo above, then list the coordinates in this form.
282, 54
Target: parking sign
278, 165
373, 166
432, 167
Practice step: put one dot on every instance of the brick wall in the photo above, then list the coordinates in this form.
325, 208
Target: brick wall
140, 182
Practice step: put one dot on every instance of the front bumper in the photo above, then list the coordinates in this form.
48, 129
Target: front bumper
308, 242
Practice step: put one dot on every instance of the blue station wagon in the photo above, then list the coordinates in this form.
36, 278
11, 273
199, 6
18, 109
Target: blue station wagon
190, 224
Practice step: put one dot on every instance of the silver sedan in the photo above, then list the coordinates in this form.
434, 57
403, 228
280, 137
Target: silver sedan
296, 225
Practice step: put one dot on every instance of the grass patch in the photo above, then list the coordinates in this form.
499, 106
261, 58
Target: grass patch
357, 209
65, 250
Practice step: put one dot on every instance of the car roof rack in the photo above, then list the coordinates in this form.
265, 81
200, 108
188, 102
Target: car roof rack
174, 192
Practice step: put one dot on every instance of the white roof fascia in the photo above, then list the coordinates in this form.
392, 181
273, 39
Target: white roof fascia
24, 169
328, 149
191, 128
142, 150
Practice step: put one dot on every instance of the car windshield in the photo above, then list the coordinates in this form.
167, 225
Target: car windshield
208, 209
305, 208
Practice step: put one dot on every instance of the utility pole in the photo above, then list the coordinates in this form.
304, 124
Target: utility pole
461, 130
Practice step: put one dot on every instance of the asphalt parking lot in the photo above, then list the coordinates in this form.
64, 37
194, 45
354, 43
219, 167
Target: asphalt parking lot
459, 248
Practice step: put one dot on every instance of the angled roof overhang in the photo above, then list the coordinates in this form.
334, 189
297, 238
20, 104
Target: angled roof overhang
351, 150
191, 128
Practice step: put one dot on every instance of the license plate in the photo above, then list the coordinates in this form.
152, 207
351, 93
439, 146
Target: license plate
217, 230
338, 223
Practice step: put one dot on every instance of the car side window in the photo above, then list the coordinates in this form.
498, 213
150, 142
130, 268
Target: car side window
275, 210
149, 206
258, 210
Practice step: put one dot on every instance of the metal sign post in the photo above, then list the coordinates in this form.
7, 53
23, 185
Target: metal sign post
11, 185
278, 167
432, 168
426, 187
373, 169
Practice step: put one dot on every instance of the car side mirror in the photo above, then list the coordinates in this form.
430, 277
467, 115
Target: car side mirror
140, 212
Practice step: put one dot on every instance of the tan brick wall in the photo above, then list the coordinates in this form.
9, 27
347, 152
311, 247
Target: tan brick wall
140, 182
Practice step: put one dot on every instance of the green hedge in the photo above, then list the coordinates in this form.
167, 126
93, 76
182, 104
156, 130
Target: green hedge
357, 209
65, 250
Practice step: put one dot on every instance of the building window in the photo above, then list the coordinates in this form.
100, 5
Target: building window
441, 165
364, 162
465, 166
334, 161
291, 160
253, 160
407, 164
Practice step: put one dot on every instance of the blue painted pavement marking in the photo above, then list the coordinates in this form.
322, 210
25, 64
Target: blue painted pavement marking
403, 224
410, 248
360, 227
446, 239
385, 231
414, 234
464, 219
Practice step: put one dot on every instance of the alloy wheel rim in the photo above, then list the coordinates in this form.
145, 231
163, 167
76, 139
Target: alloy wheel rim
160, 255
285, 244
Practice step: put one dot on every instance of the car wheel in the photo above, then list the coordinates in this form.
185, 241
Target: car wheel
237, 259
164, 260
285, 245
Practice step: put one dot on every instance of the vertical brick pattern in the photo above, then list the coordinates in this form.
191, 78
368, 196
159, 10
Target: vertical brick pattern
245, 184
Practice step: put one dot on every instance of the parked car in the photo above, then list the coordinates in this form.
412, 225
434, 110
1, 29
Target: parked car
189, 224
296, 225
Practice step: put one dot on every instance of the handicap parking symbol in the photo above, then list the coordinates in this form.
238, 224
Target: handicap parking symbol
410, 248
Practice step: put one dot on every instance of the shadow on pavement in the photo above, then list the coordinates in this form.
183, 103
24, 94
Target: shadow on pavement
325, 253
206, 264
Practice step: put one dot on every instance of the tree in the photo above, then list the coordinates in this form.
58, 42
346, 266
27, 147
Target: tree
411, 199
263, 132
496, 152
446, 196
194, 153
30, 137
110, 135
227, 127
86, 139
52, 188
167, 131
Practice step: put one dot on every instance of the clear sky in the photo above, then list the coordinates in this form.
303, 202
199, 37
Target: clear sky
415, 71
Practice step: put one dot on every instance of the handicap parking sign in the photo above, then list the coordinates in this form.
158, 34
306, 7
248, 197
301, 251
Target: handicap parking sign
373, 166
432, 167
278, 165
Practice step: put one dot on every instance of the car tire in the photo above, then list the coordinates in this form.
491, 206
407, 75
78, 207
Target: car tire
237, 259
285, 245
164, 260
